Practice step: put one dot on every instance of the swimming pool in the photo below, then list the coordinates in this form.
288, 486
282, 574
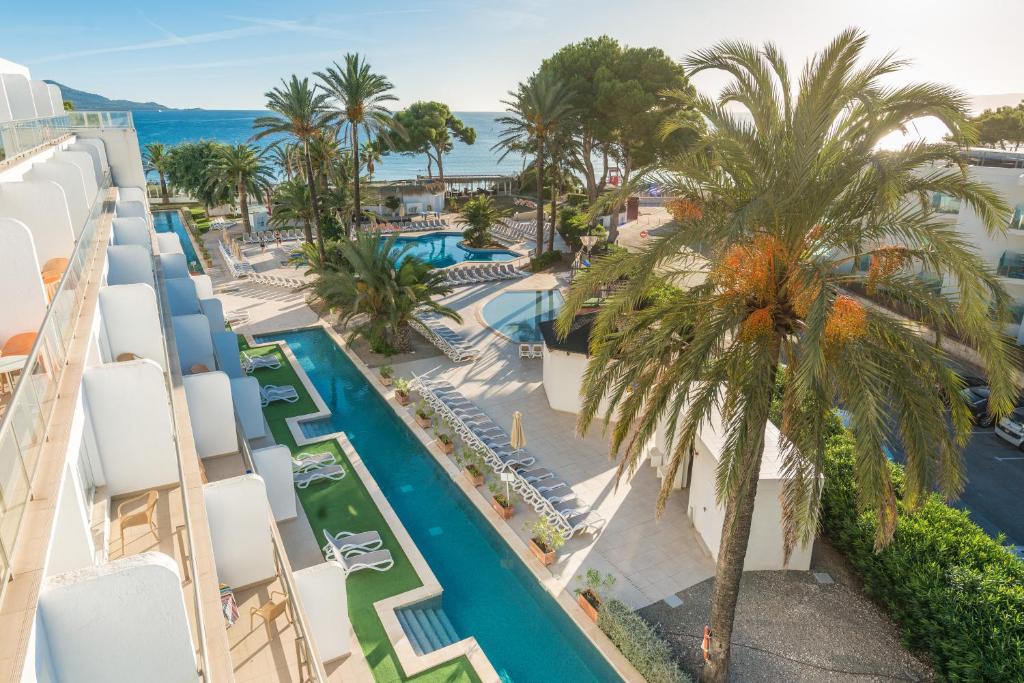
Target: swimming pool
441, 249
488, 592
517, 315
170, 221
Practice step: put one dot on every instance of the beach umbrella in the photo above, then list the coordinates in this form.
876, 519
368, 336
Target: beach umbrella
518, 437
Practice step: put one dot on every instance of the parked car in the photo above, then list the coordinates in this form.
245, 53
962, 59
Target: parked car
976, 399
1011, 428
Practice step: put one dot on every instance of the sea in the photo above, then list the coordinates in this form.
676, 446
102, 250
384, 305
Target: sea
235, 126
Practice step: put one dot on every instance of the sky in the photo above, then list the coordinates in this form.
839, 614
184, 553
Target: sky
225, 54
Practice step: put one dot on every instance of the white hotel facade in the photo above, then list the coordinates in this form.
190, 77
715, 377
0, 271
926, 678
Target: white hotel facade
100, 424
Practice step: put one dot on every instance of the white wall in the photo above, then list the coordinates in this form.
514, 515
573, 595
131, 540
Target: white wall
324, 601
128, 209
41, 98
246, 393
212, 413
274, 464
43, 207
181, 295
131, 420
71, 545
24, 297
195, 344
96, 154
175, 267
56, 98
18, 95
133, 231
131, 322
123, 155
122, 621
563, 380
204, 287
68, 175
129, 264
239, 518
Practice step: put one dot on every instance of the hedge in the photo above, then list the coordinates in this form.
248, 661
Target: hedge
639, 643
957, 594
544, 260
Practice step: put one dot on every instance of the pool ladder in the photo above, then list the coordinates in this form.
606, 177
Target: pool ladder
428, 628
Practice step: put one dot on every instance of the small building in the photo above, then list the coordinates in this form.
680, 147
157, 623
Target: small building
565, 362
417, 197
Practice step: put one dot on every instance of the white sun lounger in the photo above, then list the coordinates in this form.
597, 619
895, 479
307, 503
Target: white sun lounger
378, 561
252, 362
305, 461
270, 393
348, 543
304, 478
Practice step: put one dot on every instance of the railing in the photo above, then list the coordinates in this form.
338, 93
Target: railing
304, 650
18, 137
24, 425
101, 119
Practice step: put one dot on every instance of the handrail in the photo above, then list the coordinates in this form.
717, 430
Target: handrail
28, 415
101, 119
23, 135
304, 635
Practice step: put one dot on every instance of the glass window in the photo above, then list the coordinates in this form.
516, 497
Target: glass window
1017, 222
943, 203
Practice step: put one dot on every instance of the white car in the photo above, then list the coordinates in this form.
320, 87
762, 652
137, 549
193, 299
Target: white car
1011, 428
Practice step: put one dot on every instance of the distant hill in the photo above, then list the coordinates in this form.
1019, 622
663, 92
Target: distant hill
88, 101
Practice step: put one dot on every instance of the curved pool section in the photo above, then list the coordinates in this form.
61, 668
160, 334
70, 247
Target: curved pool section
170, 221
518, 315
488, 592
442, 249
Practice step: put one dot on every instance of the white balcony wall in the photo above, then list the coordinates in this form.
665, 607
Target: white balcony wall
213, 309
56, 98
71, 545
239, 518
133, 231
129, 264
131, 323
212, 413
131, 421
41, 98
246, 393
168, 243
195, 345
131, 194
563, 380
204, 287
84, 159
96, 152
274, 464
175, 267
122, 149
24, 297
129, 209
43, 207
122, 621
38, 660
324, 600
19, 96
225, 347
69, 176
181, 295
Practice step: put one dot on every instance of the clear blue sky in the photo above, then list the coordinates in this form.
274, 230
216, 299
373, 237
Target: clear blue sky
225, 54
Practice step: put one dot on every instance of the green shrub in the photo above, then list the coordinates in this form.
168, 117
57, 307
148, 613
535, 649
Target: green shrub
576, 199
544, 260
639, 643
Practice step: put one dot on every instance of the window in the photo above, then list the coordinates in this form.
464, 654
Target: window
943, 203
1017, 222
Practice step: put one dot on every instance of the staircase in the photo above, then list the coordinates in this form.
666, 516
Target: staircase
428, 628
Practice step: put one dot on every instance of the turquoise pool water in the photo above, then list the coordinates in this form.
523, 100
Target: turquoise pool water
518, 314
441, 249
488, 592
170, 221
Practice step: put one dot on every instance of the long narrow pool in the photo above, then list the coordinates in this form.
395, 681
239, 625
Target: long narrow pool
488, 592
170, 221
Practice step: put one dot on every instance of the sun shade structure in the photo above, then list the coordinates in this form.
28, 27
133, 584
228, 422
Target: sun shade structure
518, 440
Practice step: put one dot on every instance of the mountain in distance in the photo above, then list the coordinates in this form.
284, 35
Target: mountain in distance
87, 101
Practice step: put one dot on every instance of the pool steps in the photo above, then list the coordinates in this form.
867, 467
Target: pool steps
428, 628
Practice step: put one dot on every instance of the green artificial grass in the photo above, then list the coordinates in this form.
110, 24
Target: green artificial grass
346, 505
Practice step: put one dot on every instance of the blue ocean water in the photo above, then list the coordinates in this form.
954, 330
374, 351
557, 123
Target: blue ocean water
170, 221
488, 592
231, 126
518, 315
441, 249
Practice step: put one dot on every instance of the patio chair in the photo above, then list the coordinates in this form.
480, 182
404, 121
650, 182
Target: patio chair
304, 478
525, 351
270, 393
378, 561
142, 518
270, 611
348, 543
534, 474
305, 461
536, 350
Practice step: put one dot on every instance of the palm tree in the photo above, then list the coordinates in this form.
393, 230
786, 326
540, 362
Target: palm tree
478, 215
779, 204
359, 95
301, 114
157, 159
292, 203
535, 111
380, 290
282, 155
243, 169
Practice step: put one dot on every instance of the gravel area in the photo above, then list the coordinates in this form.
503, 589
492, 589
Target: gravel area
790, 627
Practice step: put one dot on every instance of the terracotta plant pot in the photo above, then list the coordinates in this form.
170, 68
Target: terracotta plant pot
424, 422
546, 557
503, 512
447, 448
474, 479
403, 399
386, 381
590, 603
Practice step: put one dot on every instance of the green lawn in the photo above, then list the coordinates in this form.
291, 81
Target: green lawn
347, 505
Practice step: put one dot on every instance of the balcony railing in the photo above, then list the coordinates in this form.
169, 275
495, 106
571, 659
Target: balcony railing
18, 137
101, 119
24, 425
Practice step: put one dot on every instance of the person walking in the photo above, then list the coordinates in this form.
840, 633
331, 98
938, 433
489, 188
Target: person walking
277, 236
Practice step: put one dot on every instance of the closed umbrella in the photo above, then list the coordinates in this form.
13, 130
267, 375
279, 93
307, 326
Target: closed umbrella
518, 437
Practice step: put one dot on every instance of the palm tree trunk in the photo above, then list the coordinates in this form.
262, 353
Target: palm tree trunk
243, 207
554, 207
163, 188
357, 204
313, 200
403, 338
540, 198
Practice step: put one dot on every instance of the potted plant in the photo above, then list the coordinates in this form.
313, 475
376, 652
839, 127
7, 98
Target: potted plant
472, 465
386, 374
545, 540
501, 501
424, 414
444, 440
591, 594
402, 391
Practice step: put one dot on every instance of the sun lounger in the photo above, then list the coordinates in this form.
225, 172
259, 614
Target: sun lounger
304, 478
378, 560
251, 362
347, 543
305, 461
270, 393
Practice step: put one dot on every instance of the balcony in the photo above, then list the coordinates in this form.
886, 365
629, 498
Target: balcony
1011, 267
19, 137
100, 119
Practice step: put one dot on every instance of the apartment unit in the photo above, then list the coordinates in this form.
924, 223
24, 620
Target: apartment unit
135, 525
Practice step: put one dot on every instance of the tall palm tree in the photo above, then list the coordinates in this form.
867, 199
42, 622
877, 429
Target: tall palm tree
157, 159
779, 204
380, 288
300, 113
243, 169
535, 111
360, 96
477, 216
292, 204
282, 155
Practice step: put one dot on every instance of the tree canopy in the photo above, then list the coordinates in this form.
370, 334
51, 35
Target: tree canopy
432, 129
1002, 127
190, 167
